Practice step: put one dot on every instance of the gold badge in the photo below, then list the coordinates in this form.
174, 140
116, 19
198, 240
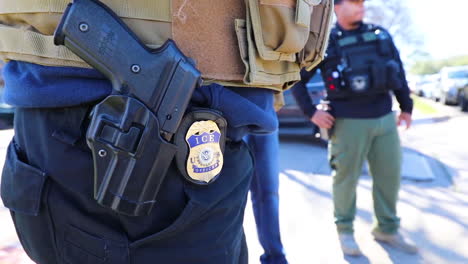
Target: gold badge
205, 159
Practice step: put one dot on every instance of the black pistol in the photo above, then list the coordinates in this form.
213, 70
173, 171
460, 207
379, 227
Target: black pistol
130, 131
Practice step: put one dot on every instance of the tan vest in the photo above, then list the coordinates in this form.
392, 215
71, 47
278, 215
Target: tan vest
257, 43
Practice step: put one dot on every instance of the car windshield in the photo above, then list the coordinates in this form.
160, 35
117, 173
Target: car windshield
458, 74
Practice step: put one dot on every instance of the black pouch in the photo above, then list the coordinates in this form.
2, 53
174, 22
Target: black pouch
22, 184
394, 81
384, 47
379, 78
24, 189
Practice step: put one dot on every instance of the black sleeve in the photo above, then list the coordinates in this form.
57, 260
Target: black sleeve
299, 91
402, 95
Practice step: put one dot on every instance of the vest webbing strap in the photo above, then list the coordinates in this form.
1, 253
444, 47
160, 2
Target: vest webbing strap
20, 41
28, 43
159, 10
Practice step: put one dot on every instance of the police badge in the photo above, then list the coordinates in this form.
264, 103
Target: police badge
201, 140
205, 159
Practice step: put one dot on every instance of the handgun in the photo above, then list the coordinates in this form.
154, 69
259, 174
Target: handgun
130, 131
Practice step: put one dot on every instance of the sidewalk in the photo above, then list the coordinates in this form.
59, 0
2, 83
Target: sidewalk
433, 213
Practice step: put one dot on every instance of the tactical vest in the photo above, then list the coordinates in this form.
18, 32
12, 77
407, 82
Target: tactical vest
256, 43
361, 64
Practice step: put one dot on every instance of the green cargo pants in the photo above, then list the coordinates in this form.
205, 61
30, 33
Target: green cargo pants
376, 140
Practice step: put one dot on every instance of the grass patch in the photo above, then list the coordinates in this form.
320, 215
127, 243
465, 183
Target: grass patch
423, 106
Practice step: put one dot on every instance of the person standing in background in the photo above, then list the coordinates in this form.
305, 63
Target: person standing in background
361, 71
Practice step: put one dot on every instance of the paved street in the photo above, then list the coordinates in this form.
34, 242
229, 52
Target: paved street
434, 212
444, 137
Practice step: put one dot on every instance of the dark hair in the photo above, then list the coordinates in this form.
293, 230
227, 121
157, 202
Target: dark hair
337, 2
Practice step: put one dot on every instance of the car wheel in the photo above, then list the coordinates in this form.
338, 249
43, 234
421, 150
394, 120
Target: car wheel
443, 99
463, 102
5, 123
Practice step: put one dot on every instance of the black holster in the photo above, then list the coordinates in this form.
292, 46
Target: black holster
130, 156
131, 131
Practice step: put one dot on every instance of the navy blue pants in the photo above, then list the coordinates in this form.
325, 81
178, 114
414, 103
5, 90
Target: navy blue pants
264, 195
47, 184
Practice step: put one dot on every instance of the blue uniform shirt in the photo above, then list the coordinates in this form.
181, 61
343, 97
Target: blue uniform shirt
247, 110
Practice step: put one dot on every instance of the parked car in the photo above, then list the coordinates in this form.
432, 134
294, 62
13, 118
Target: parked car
430, 85
426, 85
6, 110
452, 80
463, 98
292, 120
413, 82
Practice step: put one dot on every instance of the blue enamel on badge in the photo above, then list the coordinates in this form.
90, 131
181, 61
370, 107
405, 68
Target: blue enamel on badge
205, 159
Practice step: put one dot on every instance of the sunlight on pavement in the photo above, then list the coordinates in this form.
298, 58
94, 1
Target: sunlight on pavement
14, 255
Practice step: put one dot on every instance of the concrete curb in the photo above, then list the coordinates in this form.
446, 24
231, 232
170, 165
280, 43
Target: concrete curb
429, 164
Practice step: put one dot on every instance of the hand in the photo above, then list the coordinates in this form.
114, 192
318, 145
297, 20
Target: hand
323, 119
405, 117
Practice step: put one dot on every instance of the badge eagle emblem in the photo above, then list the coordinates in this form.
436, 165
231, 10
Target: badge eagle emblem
205, 158
359, 83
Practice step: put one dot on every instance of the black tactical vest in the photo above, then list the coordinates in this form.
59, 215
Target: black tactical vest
360, 64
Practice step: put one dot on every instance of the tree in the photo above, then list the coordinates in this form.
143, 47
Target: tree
433, 66
394, 16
